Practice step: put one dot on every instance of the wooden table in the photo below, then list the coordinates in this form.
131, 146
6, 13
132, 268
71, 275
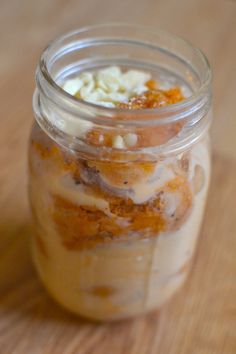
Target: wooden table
202, 318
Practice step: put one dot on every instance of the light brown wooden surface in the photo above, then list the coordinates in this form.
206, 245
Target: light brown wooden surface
202, 318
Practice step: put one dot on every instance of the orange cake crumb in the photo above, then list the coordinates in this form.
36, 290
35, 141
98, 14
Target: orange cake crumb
82, 226
85, 226
56, 157
151, 84
154, 98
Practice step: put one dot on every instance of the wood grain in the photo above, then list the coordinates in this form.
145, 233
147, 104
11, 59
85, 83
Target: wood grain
202, 317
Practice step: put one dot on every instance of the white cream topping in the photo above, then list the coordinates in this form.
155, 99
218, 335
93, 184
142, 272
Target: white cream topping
65, 187
164, 172
145, 190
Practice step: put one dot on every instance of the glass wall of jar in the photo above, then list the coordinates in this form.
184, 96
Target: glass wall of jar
116, 227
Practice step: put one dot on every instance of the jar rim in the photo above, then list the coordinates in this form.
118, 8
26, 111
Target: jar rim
168, 111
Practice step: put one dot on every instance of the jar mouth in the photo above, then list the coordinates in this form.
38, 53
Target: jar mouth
154, 116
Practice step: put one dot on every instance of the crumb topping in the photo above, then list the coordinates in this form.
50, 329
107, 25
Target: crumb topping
154, 98
108, 87
114, 88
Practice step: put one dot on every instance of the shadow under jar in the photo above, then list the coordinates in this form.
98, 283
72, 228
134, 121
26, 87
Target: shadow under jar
116, 228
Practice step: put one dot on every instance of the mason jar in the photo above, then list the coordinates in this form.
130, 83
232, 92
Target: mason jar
115, 228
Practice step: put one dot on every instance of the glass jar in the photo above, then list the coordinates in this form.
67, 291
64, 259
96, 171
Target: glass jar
116, 228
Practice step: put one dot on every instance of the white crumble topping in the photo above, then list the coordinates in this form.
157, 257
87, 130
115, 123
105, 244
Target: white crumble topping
130, 139
72, 126
127, 141
118, 142
108, 87
72, 86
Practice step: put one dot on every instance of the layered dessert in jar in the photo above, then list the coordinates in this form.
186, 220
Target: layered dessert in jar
116, 228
